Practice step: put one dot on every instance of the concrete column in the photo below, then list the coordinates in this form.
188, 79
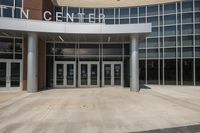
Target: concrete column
134, 64
32, 63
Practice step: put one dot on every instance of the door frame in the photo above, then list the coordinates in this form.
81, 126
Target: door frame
8, 74
89, 73
65, 63
112, 63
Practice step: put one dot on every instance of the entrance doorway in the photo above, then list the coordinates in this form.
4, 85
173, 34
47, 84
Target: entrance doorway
88, 74
112, 74
10, 74
65, 74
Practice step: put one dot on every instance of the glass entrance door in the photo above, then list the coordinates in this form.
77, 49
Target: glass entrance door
88, 74
112, 74
65, 74
10, 74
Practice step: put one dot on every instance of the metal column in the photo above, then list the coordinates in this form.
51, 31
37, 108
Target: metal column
32, 63
134, 64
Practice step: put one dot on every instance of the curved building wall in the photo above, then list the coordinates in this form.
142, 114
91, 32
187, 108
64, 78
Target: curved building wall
171, 53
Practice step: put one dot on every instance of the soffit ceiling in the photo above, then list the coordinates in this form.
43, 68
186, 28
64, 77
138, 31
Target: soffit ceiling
108, 3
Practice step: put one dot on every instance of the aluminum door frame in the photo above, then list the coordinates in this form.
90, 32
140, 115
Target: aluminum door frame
65, 63
89, 63
8, 74
112, 63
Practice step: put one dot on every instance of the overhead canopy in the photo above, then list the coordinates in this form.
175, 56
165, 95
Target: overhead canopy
72, 28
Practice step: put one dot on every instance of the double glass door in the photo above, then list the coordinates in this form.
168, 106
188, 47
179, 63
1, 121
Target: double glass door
10, 74
65, 74
112, 74
88, 74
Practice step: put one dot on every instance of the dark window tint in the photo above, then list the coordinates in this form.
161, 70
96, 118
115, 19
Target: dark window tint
6, 2
142, 71
197, 72
188, 71
18, 3
152, 71
170, 72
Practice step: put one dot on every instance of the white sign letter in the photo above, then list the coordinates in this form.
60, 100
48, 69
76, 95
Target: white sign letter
91, 18
101, 18
25, 14
59, 16
70, 17
49, 14
1, 8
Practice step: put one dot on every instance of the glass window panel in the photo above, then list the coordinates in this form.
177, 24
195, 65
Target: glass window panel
187, 41
161, 31
133, 12
18, 45
6, 2
188, 71
161, 9
152, 42
6, 44
187, 52
142, 53
124, 21
142, 20
170, 19
161, 53
142, 71
49, 48
197, 5
18, 3
126, 49
109, 21
109, 13
49, 71
152, 53
161, 20
197, 65
154, 32
170, 53
187, 6
142, 43
124, 12
197, 28
89, 49
152, 71
17, 13
170, 72
64, 49
117, 13
197, 52
187, 18
197, 40
153, 20
7, 12
170, 41
6, 56
112, 49
152, 10
88, 11
178, 19
197, 17
134, 20
170, 8
142, 11
18, 56
178, 7
170, 30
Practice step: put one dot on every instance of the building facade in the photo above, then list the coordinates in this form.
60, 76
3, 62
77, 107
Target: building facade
44, 44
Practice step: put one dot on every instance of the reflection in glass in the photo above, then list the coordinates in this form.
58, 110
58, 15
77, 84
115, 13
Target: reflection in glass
170, 72
187, 71
117, 74
107, 74
15, 74
3, 74
70, 74
60, 74
84, 74
93, 74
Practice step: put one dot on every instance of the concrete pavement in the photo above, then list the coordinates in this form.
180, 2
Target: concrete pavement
96, 110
